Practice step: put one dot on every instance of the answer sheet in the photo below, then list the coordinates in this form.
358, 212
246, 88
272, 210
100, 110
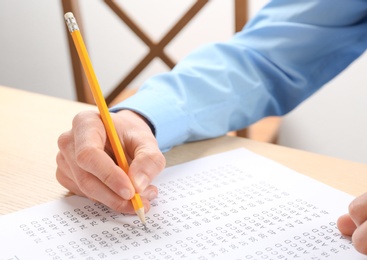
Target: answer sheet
233, 205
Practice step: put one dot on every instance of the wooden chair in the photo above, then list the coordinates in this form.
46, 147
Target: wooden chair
265, 130
155, 49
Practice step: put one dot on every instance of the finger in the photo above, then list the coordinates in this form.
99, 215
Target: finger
88, 185
150, 193
96, 190
90, 140
148, 161
62, 176
101, 166
65, 157
141, 148
146, 204
69, 184
359, 238
346, 225
145, 167
81, 182
357, 209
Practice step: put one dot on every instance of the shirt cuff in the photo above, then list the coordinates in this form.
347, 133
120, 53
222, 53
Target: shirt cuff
169, 122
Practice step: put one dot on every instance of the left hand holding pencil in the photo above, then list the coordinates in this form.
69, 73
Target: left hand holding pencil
86, 165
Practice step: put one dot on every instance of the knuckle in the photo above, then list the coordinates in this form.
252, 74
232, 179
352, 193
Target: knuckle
59, 158
158, 160
107, 178
354, 208
119, 206
83, 116
84, 156
60, 177
359, 242
64, 140
84, 184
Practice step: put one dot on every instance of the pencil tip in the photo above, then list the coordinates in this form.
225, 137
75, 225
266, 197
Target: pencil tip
141, 215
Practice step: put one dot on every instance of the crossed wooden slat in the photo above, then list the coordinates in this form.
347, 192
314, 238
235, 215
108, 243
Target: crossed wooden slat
156, 49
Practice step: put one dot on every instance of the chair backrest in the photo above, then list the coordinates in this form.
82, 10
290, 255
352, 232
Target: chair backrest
155, 49
265, 130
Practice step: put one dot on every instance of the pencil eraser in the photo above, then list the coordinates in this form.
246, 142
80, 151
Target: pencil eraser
68, 15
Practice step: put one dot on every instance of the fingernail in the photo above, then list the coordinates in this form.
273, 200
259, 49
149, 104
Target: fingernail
125, 194
141, 181
152, 195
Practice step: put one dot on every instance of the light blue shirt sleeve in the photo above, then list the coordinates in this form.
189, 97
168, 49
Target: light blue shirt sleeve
281, 57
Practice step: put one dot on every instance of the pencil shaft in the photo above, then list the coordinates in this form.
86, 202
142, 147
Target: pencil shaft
100, 101
102, 107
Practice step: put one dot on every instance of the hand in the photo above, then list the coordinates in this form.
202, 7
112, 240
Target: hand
354, 224
86, 165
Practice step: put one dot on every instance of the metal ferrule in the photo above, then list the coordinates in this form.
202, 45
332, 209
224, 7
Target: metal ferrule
72, 25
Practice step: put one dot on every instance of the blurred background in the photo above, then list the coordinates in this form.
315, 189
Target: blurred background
34, 56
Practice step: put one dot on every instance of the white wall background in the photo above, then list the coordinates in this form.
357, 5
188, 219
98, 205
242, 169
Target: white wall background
334, 121
33, 46
33, 54
34, 57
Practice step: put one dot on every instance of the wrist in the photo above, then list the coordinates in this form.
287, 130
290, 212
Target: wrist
134, 115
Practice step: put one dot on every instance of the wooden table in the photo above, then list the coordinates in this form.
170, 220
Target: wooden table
31, 124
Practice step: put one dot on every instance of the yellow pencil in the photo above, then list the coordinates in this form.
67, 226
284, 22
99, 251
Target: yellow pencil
102, 106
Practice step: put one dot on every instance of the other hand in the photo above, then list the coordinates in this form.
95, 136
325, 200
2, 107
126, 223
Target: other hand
354, 224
